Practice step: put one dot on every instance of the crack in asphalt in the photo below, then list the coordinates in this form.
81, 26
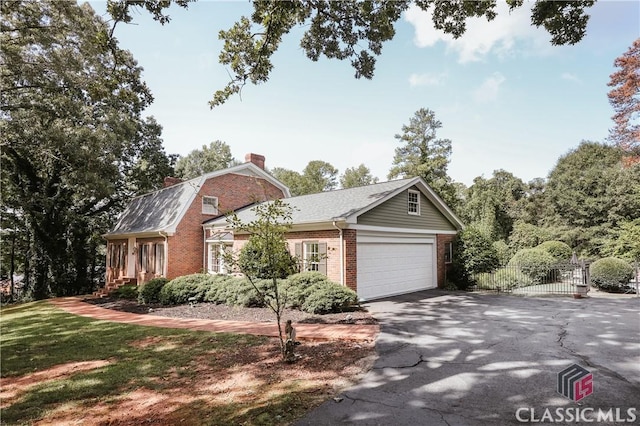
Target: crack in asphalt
586, 360
354, 400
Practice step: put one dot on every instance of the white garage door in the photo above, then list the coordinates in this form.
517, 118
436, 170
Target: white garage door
387, 269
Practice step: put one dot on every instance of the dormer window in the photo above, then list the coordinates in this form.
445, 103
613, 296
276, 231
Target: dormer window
413, 206
209, 205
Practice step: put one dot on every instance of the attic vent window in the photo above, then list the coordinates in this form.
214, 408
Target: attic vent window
414, 203
209, 205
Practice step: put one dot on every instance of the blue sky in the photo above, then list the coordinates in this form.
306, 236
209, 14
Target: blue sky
506, 98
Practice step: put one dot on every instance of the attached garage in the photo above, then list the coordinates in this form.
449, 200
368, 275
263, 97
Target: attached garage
390, 264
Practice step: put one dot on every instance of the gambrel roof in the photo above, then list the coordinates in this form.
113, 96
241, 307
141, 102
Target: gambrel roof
162, 210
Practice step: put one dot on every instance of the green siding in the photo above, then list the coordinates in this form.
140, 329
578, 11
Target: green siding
393, 213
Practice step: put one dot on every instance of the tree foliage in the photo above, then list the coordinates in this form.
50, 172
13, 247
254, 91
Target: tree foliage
74, 145
357, 176
212, 157
422, 154
625, 100
494, 203
317, 176
348, 30
268, 257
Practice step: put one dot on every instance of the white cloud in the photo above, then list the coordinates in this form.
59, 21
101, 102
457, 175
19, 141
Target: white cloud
489, 89
482, 37
426, 79
570, 77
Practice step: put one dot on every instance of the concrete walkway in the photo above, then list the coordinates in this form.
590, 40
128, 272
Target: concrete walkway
352, 332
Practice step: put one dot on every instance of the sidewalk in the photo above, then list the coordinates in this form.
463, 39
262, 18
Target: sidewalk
76, 306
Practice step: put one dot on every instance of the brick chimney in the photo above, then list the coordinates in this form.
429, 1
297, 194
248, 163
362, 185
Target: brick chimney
170, 181
256, 159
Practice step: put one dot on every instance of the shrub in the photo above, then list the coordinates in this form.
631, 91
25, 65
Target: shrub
473, 253
221, 287
181, 289
329, 297
559, 250
300, 286
535, 263
128, 291
503, 279
503, 251
610, 273
149, 292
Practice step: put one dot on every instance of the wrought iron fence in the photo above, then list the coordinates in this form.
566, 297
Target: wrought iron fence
561, 278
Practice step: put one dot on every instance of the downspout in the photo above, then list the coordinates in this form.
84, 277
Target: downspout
166, 253
341, 253
205, 250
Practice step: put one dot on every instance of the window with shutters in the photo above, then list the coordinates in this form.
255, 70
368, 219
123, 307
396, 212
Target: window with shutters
312, 256
151, 258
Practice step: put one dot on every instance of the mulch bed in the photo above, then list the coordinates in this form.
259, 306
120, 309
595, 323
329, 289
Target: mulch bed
232, 313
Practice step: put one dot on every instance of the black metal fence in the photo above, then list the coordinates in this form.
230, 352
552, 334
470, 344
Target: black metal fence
561, 278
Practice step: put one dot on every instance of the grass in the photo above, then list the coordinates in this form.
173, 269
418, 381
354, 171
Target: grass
67, 369
37, 337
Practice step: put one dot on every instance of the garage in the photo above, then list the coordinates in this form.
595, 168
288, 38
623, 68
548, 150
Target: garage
389, 265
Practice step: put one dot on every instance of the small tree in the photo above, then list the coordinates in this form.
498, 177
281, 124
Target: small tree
269, 255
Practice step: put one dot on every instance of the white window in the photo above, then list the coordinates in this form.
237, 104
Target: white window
311, 256
216, 259
209, 205
151, 258
413, 206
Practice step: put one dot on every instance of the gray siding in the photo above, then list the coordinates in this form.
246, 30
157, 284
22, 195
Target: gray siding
393, 213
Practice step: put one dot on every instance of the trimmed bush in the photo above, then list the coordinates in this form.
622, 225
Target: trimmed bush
329, 297
181, 289
535, 263
256, 261
300, 286
559, 250
149, 292
128, 291
610, 273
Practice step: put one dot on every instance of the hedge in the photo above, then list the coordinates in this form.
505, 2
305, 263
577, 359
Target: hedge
149, 292
610, 273
559, 250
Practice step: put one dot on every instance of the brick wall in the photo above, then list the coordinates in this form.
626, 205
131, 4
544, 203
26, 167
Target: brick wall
332, 238
186, 247
443, 268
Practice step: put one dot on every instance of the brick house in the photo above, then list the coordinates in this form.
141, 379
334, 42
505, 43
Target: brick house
160, 234
380, 240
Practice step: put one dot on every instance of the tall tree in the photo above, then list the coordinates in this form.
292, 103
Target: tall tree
357, 176
73, 140
625, 100
493, 203
349, 30
215, 156
423, 154
317, 176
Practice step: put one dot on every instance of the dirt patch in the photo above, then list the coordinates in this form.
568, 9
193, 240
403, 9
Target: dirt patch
248, 386
232, 313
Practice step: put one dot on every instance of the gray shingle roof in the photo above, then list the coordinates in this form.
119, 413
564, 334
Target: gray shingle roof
158, 211
162, 210
331, 205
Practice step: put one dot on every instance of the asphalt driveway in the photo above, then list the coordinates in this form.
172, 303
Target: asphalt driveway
475, 359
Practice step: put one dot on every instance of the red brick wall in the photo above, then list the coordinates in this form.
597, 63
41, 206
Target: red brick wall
351, 259
186, 247
441, 239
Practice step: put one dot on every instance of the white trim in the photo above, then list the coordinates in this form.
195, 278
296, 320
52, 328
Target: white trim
400, 230
409, 202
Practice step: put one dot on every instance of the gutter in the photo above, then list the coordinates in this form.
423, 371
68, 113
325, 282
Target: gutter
341, 253
166, 254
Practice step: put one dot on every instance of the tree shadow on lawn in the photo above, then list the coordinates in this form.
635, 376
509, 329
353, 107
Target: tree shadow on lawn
449, 358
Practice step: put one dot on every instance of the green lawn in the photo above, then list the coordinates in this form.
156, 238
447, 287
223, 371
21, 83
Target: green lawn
36, 337
68, 369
